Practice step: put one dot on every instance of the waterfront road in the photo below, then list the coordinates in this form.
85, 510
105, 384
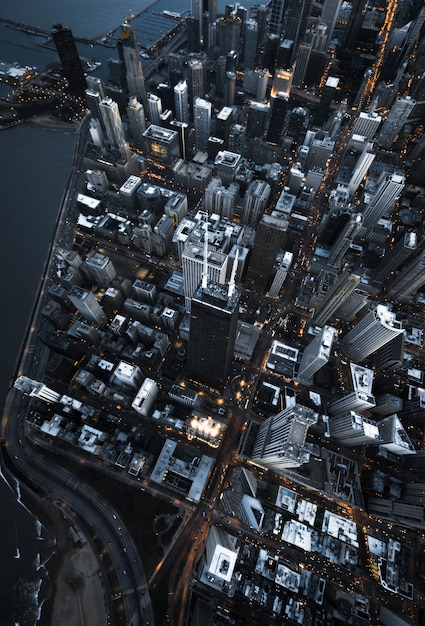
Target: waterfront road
61, 485
53, 481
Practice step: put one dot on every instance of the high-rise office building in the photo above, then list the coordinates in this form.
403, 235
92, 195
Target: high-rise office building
362, 165
69, 58
154, 110
344, 241
301, 63
162, 144
279, 108
86, 303
229, 89
202, 120
181, 101
213, 323
394, 437
409, 280
378, 327
393, 259
329, 17
352, 429
100, 269
388, 190
129, 51
316, 354
94, 99
282, 82
389, 356
258, 115
395, 121
357, 382
343, 286
36, 389
96, 84
226, 165
112, 122
250, 47
295, 19
276, 17
223, 122
352, 304
193, 267
136, 120
366, 125
229, 29
255, 201
220, 555
196, 13
269, 239
220, 199
196, 76
280, 440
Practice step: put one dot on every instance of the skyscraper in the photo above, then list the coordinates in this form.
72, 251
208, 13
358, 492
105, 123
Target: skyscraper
213, 322
69, 58
362, 165
258, 114
196, 13
181, 101
255, 201
86, 303
388, 190
269, 239
129, 51
352, 429
316, 354
408, 280
356, 383
343, 286
279, 108
202, 120
276, 16
193, 260
395, 121
154, 105
366, 125
329, 16
100, 269
393, 259
196, 71
377, 328
136, 120
112, 122
343, 242
280, 441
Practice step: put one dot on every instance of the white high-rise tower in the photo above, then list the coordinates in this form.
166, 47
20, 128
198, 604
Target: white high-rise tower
280, 441
377, 328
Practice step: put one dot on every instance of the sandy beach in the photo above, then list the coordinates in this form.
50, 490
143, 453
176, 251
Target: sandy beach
77, 597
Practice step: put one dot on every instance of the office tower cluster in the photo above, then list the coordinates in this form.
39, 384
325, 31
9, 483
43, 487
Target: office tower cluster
260, 156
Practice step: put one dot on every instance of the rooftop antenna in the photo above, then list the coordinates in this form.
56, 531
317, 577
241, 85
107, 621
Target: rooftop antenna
231, 288
205, 261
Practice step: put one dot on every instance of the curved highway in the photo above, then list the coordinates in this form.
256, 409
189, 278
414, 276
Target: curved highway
62, 485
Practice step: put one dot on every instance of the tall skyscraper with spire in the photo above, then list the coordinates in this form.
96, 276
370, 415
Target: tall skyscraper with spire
129, 53
213, 322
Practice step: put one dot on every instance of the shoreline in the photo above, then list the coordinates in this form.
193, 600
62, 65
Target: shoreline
72, 571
